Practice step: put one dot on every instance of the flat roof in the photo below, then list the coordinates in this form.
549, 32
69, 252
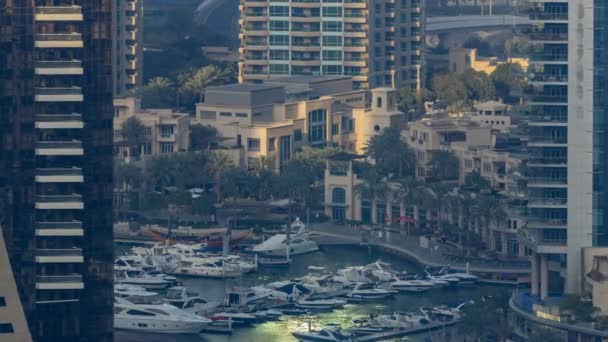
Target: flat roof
244, 87
307, 79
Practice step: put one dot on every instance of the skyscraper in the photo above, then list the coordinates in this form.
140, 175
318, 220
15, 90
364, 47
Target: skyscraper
567, 187
128, 45
378, 43
55, 159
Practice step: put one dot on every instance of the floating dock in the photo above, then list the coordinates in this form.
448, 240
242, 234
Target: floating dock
383, 336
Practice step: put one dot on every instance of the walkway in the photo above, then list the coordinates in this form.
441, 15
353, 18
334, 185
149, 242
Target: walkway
435, 256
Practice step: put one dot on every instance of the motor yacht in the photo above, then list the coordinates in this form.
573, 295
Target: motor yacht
159, 318
179, 297
325, 335
277, 245
142, 279
235, 318
320, 304
214, 267
367, 291
411, 285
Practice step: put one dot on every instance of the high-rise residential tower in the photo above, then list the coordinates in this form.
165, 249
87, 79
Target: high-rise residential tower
377, 42
128, 46
55, 162
568, 102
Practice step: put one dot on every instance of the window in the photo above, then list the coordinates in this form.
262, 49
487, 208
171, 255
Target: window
332, 11
139, 313
379, 102
271, 143
279, 68
335, 129
338, 195
276, 39
284, 149
332, 69
317, 126
297, 135
147, 148
2, 302
279, 55
468, 164
279, 11
332, 26
332, 41
166, 131
332, 55
253, 145
487, 168
241, 115
207, 114
279, 25
6, 328
166, 147
225, 114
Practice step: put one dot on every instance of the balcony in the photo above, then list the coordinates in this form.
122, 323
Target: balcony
71, 282
547, 182
58, 13
548, 37
58, 40
73, 67
543, 79
48, 256
73, 228
545, 222
537, 119
59, 148
59, 94
67, 175
59, 121
547, 202
539, 97
63, 202
548, 16
539, 58
547, 141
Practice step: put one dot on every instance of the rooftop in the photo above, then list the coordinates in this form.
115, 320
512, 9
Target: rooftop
243, 87
306, 79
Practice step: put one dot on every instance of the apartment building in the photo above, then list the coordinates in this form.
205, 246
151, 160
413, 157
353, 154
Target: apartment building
166, 130
274, 120
128, 55
378, 43
56, 159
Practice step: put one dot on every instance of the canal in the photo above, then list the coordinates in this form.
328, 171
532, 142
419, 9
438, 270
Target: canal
333, 258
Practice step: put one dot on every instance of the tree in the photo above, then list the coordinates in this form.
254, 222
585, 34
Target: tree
391, 155
194, 82
582, 310
439, 193
218, 163
516, 46
479, 85
159, 92
133, 133
487, 315
312, 161
451, 89
508, 78
406, 193
159, 172
490, 210
540, 334
201, 136
407, 99
373, 186
474, 181
444, 166
126, 178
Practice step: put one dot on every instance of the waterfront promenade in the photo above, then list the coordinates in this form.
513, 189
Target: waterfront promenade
434, 255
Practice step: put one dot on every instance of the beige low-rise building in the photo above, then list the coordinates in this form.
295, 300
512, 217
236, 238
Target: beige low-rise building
166, 130
491, 113
462, 59
274, 120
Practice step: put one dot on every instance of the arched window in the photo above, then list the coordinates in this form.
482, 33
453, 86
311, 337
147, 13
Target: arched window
338, 195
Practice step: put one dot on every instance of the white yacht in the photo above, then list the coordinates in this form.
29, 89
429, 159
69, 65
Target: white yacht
159, 318
277, 245
325, 335
142, 279
411, 285
214, 267
179, 297
367, 291
320, 304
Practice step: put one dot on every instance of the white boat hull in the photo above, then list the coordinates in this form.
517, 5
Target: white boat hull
207, 273
147, 286
158, 326
295, 250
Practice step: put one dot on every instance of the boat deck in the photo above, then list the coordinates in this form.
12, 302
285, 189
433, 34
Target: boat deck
383, 336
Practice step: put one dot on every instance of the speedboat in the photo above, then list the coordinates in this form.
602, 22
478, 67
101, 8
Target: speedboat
366, 291
411, 285
179, 297
320, 304
142, 279
325, 335
277, 245
159, 318
464, 278
399, 320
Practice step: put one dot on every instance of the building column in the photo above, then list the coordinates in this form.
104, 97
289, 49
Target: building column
505, 244
388, 220
534, 274
544, 276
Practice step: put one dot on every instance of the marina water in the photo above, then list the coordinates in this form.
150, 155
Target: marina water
332, 258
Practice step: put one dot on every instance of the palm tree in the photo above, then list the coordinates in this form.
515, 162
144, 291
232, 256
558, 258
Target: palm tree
125, 178
218, 163
194, 82
439, 193
490, 210
406, 193
134, 134
373, 186
391, 154
444, 165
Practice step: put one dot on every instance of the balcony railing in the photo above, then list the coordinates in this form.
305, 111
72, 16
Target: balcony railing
546, 222
549, 57
59, 225
548, 16
58, 198
59, 64
58, 10
59, 91
58, 252
73, 171
58, 117
547, 180
547, 201
59, 279
58, 37
58, 144
533, 97
547, 139
548, 36
549, 78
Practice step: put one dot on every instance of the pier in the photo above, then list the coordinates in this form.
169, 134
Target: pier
404, 332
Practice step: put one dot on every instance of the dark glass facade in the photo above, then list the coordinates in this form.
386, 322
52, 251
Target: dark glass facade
56, 156
600, 124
